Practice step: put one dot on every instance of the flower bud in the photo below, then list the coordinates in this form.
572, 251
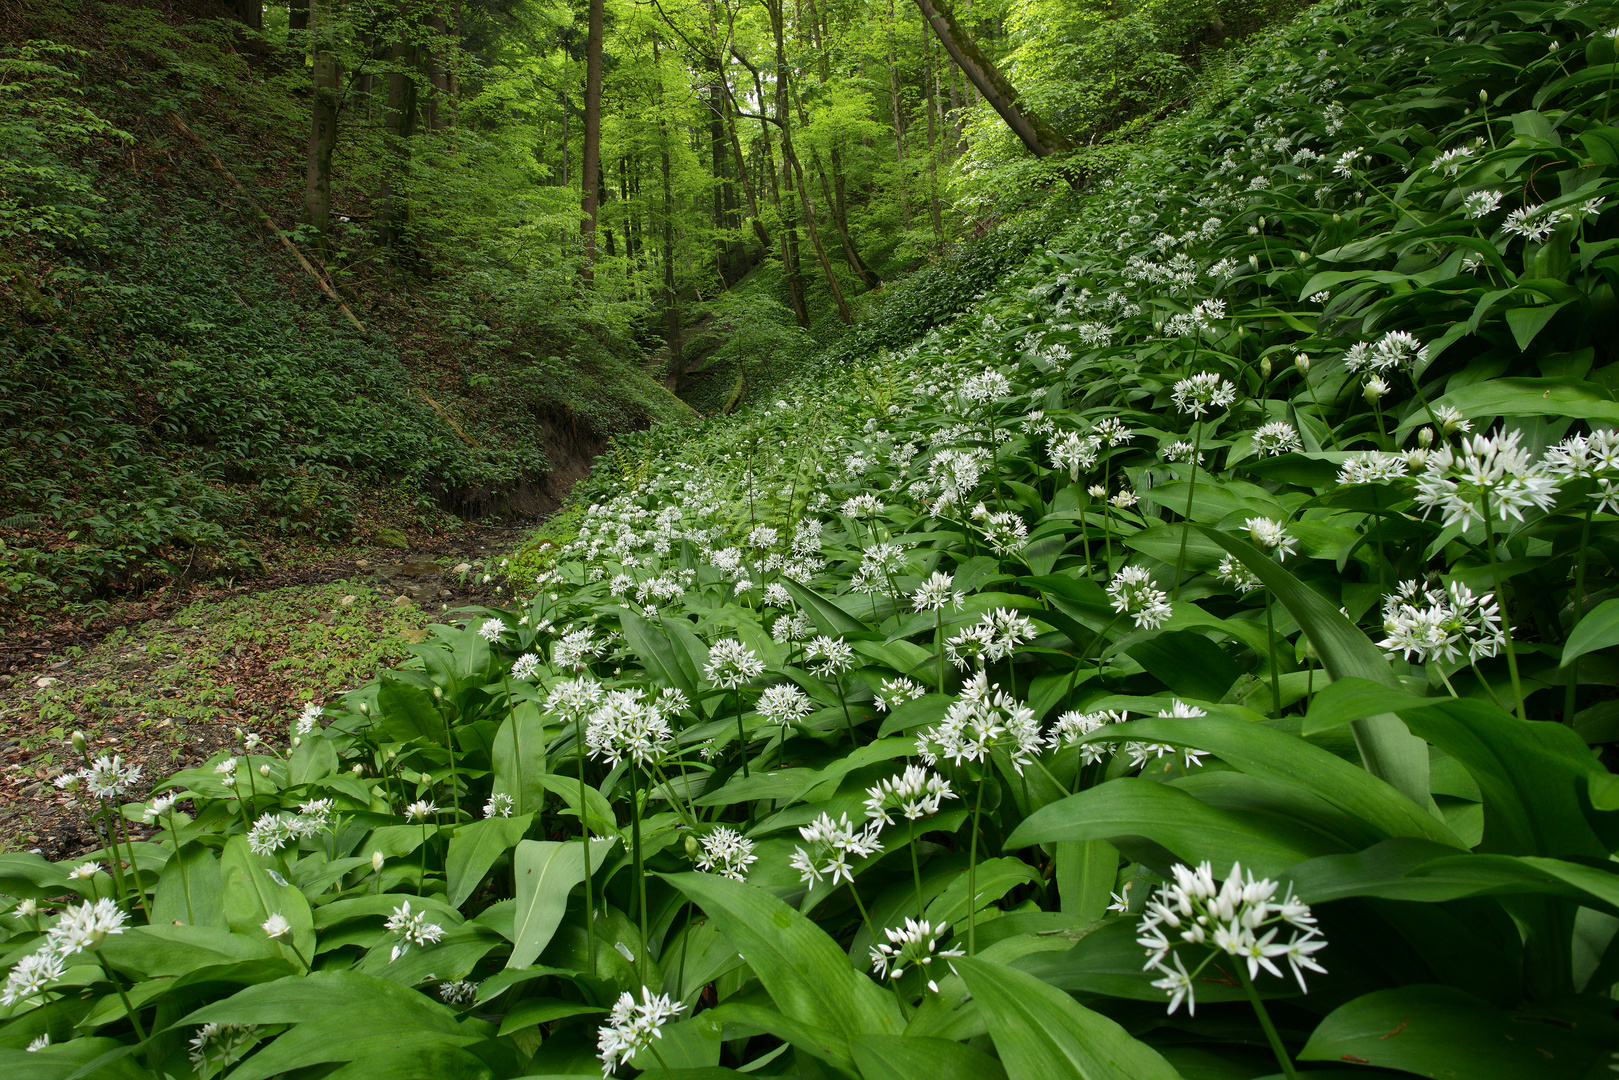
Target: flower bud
1336, 218
264, 770
1483, 97
365, 710
376, 861
358, 770
1264, 368
1374, 391
1253, 261
692, 846
1253, 230
438, 693
77, 739
297, 741
1425, 437
1301, 363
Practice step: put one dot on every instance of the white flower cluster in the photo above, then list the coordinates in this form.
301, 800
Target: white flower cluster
411, 928
1133, 593
1487, 475
217, 1046
1225, 919
831, 843
982, 718
76, 929
628, 726
726, 852
1445, 625
913, 945
632, 1026
914, 794
731, 663
1203, 393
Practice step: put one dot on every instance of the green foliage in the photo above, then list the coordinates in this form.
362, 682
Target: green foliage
1101, 557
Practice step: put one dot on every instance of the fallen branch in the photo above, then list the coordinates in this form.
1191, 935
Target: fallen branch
270, 223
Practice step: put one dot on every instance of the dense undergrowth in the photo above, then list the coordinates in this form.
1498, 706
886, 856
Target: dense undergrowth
175, 391
1197, 660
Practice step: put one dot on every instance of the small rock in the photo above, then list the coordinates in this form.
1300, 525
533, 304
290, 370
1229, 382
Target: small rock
32, 789
60, 665
386, 537
44, 681
362, 563
461, 568
347, 601
401, 601
445, 593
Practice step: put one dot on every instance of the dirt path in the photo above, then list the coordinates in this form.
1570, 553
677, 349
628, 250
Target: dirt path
166, 681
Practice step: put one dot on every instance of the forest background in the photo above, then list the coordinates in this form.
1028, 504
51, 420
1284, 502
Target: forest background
451, 321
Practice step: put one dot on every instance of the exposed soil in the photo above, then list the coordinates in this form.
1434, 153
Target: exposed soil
138, 645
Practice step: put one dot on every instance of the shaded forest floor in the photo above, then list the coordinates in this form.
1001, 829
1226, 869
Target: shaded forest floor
169, 679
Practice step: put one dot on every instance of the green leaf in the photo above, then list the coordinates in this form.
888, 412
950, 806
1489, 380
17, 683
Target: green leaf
1527, 322
1439, 1031
409, 711
803, 970
1189, 828
813, 1039
249, 897
827, 616
1041, 1033
1387, 748
547, 871
1085, 871
531, 1011
365, 1001
648, 643
1262, 751
1351, 699
189, 890
1107, 963
993, 880
1188, 663
474, 849
898, 1057
600, 812
519, 758
1572, 398
1598, 629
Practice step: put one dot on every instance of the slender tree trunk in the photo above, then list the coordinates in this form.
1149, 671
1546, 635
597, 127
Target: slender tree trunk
399, 124
1040, 138
784, 120
250, 13
899, 125
563, 178
297, 15
590, 166
437, 77
323, 123
454, 84
931, 85
791, 270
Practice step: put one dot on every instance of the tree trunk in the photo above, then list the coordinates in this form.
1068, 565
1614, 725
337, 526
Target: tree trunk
591, 163
437, 78
1041, 138
297, 15
323, 123
899, 125
250, 13
784, 121
785, 207
563, 177
931, 85
671, 299
399, 124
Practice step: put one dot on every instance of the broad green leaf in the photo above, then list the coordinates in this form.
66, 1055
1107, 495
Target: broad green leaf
899, 1057
828, 617
547, 871
1107, 962
189, 890
1346, 700
1439, 1031
654, 650
1387, 748
474, 849
1262, 751
334, 1038
1572, 398
807, 1036
993, 879
1188, 663
94, 1057
1598, 629
1041, 1033
167, 951
600, 812
365, 1001
531, 1011
803, 970
1189, 828
1085, 871
440, 1060
519, 758
409, 712
250, 896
